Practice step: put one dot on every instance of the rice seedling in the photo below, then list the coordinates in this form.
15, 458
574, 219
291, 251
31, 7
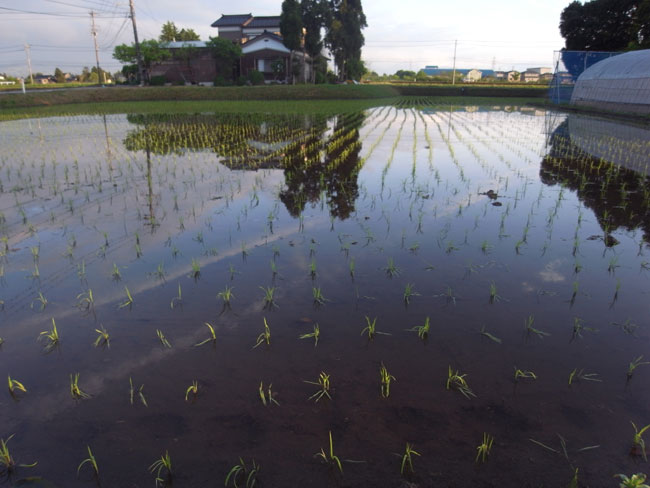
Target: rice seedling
91, 461
409, 292
457, 382
351, 266
160, 466
528, 324
51, 336
490, 336
159, 273
177, 300
265, 336
85, 300
324, 384
484, 448
390, 269
163, 340
269, 302
638, 444
212, 338
132, 392
7, 463
129, 299
494, 297
115, 273
196, 270
563, 446
384, 381
40, 299
422, 330
407, 460
635, 481
226, 295
486, 247
524, 374
319, 299
193, 390
628, 326
315, 335
240, 473
579, 327
580, 375
330, 458
312, 269
76, 392
103, 339
635, 363
15, 386
267, 398
232, 271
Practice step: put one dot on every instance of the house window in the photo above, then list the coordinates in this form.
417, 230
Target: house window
260, 65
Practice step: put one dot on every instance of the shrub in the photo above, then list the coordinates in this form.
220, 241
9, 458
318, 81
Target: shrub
157, 80
255, 77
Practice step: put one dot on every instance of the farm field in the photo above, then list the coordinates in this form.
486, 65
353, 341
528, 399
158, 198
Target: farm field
410, 293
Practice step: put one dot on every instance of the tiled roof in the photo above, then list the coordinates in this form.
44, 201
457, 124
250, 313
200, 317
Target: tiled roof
264, 22
261, 36
232, 20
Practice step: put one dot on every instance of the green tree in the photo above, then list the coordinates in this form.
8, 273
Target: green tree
59, 75
188, 35
151, 51
85, 75
422, 77
169, 32
226, 54
344, 38
314, 15
291, 29
401, 74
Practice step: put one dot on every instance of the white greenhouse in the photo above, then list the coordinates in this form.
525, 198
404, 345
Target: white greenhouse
620, 83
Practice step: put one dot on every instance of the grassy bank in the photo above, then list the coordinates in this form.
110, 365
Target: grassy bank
298, 92
326, 107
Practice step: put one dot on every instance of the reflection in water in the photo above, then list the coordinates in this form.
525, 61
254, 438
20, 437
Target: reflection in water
606, 163
320, 157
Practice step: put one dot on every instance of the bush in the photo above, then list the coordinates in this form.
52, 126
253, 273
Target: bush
221, 81
255, 77
241, 81
157, 80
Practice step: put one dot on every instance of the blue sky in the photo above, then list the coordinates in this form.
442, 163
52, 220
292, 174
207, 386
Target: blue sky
408, 34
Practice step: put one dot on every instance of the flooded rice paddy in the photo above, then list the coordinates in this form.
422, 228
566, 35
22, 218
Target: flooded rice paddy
409, 278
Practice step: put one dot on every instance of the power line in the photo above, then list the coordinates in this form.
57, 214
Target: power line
54, 14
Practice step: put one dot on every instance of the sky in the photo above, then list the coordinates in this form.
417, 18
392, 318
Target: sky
407, 34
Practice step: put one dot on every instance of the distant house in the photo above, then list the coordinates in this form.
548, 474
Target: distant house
501, 75
472, 76
540, 71
513, 76
261, 44
461, 74
529, 77
44, 79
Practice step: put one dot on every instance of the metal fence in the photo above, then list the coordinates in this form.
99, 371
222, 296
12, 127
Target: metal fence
568, 66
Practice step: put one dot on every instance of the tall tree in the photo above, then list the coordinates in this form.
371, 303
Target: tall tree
344, 38
59, 76
169, 32
151, 51
314, 15
291, 29
225, 54
605, 25
188, 35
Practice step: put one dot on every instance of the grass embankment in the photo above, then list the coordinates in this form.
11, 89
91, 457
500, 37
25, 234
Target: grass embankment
48, 86
286, 99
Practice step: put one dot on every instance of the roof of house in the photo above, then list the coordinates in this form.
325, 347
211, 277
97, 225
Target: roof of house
267, 40
182, 44
232, 20
264, 22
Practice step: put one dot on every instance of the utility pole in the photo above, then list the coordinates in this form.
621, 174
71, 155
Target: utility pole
138, 53
29, 64
453, 77
93, 31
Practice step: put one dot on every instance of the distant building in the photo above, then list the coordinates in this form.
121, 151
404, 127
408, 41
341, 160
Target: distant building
529, 77
460, 73
472, 76
513, 75
262, 49
540, 71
